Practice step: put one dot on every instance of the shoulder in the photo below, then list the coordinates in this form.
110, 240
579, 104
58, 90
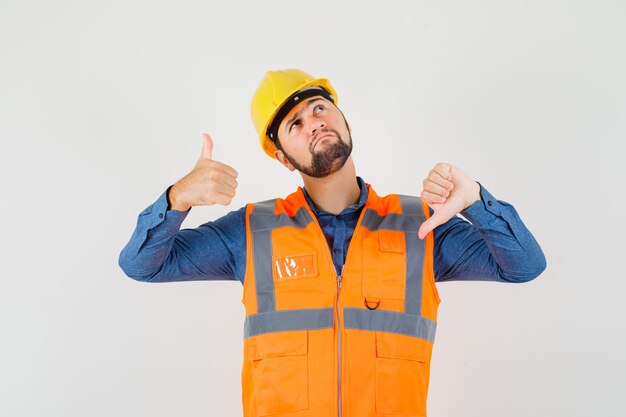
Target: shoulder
289, 204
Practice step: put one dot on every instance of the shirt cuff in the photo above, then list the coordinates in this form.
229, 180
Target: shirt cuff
484, 210
159, 212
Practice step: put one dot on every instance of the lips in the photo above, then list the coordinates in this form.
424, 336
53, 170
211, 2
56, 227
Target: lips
320, 138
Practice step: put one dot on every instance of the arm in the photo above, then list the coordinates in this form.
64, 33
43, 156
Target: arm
159, 252
494, 246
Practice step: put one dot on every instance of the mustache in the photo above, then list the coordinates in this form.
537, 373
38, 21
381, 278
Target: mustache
324, 132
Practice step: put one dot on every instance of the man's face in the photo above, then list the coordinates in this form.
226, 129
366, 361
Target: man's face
315, 138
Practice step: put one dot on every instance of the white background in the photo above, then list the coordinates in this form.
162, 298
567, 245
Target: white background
102, 106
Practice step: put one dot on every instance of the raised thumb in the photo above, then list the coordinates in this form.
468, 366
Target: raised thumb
207, 147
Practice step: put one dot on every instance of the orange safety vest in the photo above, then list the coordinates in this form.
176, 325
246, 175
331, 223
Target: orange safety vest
355, 345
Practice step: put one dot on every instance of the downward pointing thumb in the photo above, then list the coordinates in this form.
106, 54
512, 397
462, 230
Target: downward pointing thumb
426, 227
207, 147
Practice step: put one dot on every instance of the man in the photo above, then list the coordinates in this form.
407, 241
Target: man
346, 331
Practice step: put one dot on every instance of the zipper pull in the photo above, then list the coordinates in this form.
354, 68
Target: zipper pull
339, 276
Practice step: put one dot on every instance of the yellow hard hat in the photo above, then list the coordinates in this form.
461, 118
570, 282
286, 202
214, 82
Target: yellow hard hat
278, 93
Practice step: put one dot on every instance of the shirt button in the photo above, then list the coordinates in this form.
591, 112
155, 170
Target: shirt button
336, 250
160, 215
489, 202
337, 217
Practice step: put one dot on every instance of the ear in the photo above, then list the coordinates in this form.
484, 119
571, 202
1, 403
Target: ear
283, 160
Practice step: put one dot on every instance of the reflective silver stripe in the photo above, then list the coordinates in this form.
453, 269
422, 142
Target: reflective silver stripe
412, 208
389, 321
287, 320
262, 254
414, 273
410, 220
392, 221
262, 221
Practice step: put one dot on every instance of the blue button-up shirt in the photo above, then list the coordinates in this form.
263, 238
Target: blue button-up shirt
494, 245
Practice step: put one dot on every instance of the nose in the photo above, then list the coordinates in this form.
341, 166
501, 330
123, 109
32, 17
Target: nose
316, 124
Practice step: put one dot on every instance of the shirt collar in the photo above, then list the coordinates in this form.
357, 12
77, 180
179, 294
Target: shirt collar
354, 207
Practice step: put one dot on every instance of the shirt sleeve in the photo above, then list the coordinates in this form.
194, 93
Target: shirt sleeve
494, 245
159, 252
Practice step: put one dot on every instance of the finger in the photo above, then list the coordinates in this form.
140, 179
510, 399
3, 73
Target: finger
434, 221
226, 169
436, 177
223, 199
431, 198
443, 170
207, 147
217, 187
423, 231
434, 188
228, 180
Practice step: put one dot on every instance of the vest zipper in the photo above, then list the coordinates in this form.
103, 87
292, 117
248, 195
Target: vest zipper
339, 344
332, 265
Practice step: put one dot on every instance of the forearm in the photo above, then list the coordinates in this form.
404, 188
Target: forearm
151, 243
496, 246
160, 252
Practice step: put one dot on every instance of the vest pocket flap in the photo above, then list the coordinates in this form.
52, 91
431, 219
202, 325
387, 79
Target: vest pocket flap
399, 346
391, 241
402, 373
271, 345
384, 265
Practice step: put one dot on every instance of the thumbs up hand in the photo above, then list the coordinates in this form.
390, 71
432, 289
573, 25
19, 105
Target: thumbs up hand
209, 182
448, 191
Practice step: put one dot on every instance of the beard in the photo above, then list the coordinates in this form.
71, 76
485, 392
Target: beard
330, 159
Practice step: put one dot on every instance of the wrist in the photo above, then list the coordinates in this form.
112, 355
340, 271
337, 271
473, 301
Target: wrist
474, 194
175, 198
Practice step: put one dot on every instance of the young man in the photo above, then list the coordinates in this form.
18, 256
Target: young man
338, 282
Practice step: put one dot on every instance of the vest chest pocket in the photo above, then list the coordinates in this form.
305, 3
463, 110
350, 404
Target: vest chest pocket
384, 265
280, 372
402, 373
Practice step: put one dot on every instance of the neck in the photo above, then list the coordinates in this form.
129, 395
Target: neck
336, 191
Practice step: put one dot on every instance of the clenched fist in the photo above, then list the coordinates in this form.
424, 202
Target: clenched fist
209, 182
448, 191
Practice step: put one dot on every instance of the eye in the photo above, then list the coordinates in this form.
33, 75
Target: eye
297, 122
319, 106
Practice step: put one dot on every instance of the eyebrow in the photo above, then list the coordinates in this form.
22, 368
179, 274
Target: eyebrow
299, 112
